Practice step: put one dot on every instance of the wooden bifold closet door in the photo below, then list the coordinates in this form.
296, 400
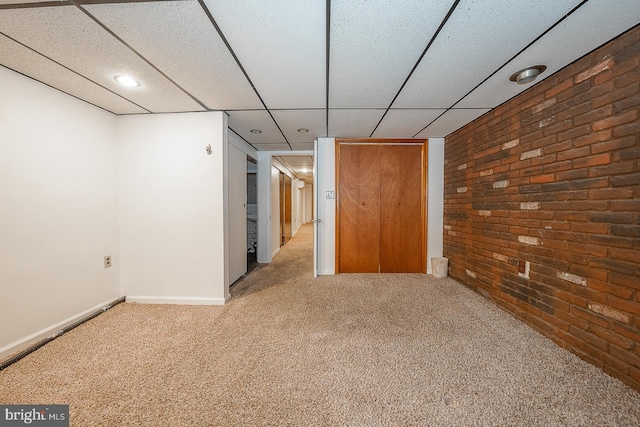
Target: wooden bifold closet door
381, 207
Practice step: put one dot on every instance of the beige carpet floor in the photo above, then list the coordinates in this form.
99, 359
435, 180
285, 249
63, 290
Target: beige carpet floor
345, 350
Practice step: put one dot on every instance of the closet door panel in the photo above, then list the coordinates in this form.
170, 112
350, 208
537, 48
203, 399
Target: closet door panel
401, 226
359, 209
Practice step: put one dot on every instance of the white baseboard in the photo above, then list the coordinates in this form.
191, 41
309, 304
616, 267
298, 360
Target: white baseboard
328, 272
26, 342
276, 252
178, 300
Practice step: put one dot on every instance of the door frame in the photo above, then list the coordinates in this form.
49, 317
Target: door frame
423, 192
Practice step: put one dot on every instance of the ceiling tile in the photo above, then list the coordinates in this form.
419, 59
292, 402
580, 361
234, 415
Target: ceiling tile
451, 121
302, 146
479, 37
179, 39
68, 36
281, 45
19, 1
375, 46
29, 63
242, 122
353, 123
405, 123
297, 161
271, 147
292, 120
595, 23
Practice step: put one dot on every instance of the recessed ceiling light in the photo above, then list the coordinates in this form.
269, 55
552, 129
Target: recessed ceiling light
127, 81
303, 130
528, 74
256, 131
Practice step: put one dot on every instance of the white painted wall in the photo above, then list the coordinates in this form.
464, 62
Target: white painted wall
327, 207
172, 216
297, 198
58, 210
308, 203
275, 211
242, 145
435, 206
326, 164
237, 213
264, 207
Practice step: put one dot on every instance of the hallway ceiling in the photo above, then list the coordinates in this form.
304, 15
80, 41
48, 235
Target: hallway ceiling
345, 68
300, 166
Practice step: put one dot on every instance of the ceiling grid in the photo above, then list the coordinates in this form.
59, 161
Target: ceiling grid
291, 71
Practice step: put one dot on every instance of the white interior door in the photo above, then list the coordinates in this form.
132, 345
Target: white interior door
237, 213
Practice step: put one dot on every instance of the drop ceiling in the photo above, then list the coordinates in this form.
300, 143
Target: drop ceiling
338, 68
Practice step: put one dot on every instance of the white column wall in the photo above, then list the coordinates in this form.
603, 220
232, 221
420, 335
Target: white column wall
296, 205
58, 210
435, 201
172, 216
326, 181
276, 235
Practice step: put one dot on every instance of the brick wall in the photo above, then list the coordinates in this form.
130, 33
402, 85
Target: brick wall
542, 207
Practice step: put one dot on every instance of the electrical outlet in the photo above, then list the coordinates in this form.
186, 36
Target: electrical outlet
107, 261
524, 267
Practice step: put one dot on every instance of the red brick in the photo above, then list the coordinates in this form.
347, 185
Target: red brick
572, 299
555, 89
626, 331
598, 251
625, 356
542, 178
596, 69
593, 115
629, 255
629, 154
625, 305
614, 144
573, 174
617, 168
589, 338
614, 95
611, 289
555, 321
593, 137
629, 129
614, 121
631, 180
611, 193
625, 205
627, 280
607, 360
574, 153
573, 91
597, 160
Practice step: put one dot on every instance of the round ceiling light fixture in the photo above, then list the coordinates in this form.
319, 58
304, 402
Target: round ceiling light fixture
127, 81
303, 130
255, 131
528, 74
